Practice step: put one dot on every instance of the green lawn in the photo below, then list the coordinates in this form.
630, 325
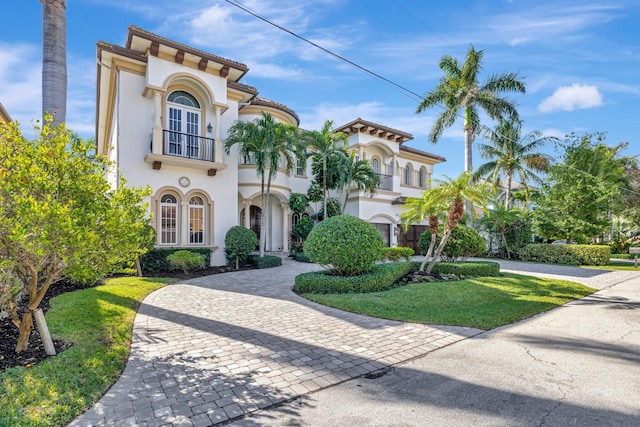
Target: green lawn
485, 303
98, 321
615, 265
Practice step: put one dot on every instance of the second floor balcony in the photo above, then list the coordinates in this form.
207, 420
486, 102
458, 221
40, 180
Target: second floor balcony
187, 146
385, 182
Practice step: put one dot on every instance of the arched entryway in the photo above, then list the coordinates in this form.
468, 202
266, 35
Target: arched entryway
255, 217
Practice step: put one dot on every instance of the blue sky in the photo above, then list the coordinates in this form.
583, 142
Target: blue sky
580, 60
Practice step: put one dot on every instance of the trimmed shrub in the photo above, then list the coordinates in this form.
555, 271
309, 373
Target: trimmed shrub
156, 259
396, 254
238, 244
552, 254
300, 257
463, 243
267, 261
381, 277
622, 256
591, 254
302, 229
349, 244
469, 268
186, 260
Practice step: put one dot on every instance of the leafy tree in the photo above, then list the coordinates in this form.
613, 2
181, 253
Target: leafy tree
238, 244
326, 144
455, 193
583, 191
54, 59
511, 155
59, 216
270, 143
460, 89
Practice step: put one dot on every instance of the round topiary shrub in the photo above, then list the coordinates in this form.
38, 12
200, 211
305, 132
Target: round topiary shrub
463, 243
238, 244
349, 244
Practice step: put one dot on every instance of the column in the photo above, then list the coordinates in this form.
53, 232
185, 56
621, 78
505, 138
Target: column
247, 213
156, 137
285, 227
184, 233
217, 142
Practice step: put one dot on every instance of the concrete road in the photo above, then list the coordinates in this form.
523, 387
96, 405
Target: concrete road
577, 365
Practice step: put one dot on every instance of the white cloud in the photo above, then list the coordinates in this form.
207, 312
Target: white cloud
569, 98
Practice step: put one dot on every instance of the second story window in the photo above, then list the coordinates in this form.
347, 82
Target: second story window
300, 166
407, 175
375, 165
421, 178
183, 124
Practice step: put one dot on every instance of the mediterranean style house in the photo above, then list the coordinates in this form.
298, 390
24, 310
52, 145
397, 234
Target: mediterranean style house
162, 114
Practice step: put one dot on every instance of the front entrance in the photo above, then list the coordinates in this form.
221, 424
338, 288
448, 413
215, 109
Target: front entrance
411, 238
255, 218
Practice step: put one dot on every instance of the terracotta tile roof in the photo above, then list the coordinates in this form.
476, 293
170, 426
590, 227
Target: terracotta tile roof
137, 31
360, 125
422, 153
269, 103
119, 50
242, 87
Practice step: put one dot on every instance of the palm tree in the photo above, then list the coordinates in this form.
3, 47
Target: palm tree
416, 209
512, 155
360, 174
455, 193
54, 60
498, 220
326, 144
460, 89
270, 143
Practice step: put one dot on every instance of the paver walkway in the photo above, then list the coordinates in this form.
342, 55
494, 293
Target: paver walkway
216, 348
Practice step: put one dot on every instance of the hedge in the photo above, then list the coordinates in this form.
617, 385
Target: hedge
300, 257
566, 254
267, 261
381, 277
396, 254
156, 258
468, 268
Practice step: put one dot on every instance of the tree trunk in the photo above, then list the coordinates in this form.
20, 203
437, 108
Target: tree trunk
54, 59
468, 140
138, 267
267, 215
25, 331
324, 188
443, 242
504, 242
263, 232
432, 244
507, 197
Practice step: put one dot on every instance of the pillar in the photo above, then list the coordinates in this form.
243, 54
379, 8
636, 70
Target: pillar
156, 137
247, 213
217, 142
285, 227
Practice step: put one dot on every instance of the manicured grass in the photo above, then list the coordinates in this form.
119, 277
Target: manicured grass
485, 302
615, 265
98, 321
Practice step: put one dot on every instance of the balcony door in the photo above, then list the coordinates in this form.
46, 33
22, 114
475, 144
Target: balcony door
183, 113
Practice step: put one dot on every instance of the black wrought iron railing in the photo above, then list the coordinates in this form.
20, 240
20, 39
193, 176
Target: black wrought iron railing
187, 146
385, 182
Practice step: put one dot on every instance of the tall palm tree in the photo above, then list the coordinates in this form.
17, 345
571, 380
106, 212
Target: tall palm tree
325, 144
459, 89
360, 174
416, 209
498, 220
272, 145
455, 193
513, 156
54, 60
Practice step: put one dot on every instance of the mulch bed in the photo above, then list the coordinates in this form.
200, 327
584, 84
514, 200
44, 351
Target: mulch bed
35, 351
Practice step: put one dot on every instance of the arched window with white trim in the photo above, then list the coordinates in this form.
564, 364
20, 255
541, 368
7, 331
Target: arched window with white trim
408, 170
169, 220
196, 220
422, 174
375, 164
183, 123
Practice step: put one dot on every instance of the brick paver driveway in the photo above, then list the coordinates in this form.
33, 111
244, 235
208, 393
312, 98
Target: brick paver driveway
218, 347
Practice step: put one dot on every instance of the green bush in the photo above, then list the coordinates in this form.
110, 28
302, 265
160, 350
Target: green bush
381, 277
186, 260
396, 254
349, 244
156, 259
463, 243
622, 256
425, 241
566, 254
300, 257
591, 254
238, 244
302, 229
552, 254
469, 268
267, 261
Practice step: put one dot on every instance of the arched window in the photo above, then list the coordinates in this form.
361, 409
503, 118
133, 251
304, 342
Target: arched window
196, 220
391, 168
168, 220
375, 165
183, 123
421, 178
300, 166
407, 175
